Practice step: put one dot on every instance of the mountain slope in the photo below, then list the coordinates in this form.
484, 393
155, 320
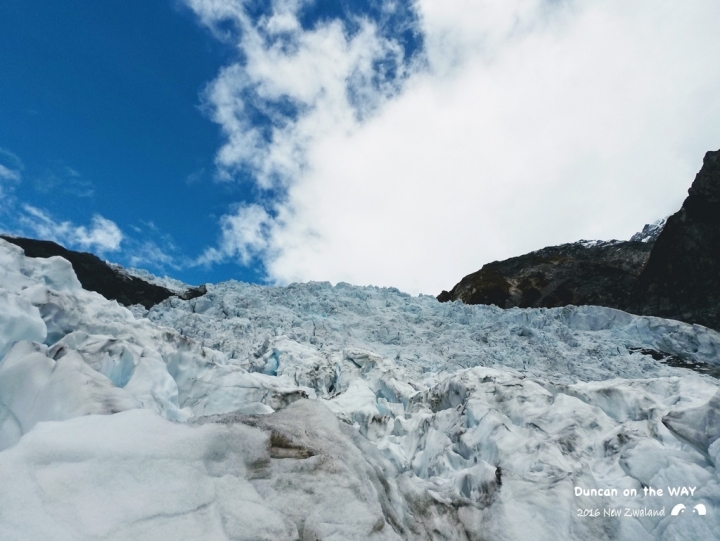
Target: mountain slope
96, 275
669, 270
601, 273
681, 279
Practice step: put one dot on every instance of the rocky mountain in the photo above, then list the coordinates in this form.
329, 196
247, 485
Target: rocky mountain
96, 275
650, 232
681, 279
581, 273
669, 269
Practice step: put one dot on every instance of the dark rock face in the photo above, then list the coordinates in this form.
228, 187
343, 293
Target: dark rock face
671, 271
682, 277
579, 273
96, 275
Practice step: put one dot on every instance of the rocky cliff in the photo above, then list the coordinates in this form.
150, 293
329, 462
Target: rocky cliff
582, 273
671, 271
96, 275
681, 279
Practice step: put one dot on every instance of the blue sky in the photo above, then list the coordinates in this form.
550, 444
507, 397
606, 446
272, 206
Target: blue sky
384, 142
100, 102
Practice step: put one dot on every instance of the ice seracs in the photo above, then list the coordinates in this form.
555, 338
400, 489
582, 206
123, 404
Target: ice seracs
321, 412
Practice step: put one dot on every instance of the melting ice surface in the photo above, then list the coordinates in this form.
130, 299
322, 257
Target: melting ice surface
334, 413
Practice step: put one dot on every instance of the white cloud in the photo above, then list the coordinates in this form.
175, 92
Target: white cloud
534, 123
149, 253
10, 173
310, 70
103, 234
244, 235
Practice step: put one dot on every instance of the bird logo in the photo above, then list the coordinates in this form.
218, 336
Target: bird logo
679, 509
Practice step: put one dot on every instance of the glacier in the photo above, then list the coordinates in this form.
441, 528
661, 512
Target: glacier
320, 412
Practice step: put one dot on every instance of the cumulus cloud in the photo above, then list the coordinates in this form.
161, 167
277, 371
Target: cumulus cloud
102, 235
245, 234
301, 83
531, 122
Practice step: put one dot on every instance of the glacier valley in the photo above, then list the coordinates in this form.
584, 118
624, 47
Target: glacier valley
317, 412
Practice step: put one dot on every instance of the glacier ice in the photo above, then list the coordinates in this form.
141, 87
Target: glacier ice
339, 412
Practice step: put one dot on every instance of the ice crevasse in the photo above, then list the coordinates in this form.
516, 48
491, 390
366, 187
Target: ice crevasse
333, 413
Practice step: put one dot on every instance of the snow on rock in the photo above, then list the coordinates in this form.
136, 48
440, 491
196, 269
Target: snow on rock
176, 286
650, 232
333, 413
